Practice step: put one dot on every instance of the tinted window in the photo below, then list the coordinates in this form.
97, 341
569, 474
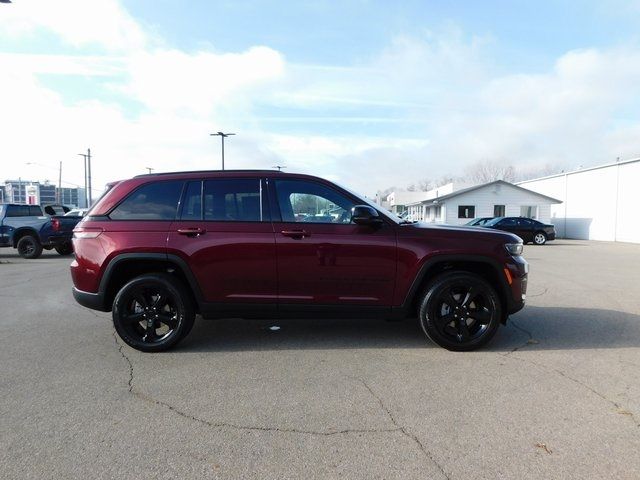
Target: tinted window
153, 201
233, 200
35, 211
310, 202
466, 211
17, 211
192, 203
508, 222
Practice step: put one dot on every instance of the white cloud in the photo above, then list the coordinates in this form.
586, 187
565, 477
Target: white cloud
421, 108
76, 22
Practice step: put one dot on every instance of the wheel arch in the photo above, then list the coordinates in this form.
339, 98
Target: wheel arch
18, 233
126, 266
487, 268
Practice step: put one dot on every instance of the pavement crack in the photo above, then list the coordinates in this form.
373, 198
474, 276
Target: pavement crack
545, 290
149, 399
620, 409
530, 340
404, 430
127, 359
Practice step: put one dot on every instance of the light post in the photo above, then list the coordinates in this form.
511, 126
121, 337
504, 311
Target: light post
222, 137
87, 176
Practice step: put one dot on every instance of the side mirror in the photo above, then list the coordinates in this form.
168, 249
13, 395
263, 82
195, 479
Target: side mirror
365, 215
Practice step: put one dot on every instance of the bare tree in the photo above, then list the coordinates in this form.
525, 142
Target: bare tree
489, 171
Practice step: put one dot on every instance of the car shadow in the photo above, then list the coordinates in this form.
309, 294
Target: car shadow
539, 328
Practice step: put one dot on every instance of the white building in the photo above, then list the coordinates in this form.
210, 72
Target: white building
398, 200
599, 203
494, 199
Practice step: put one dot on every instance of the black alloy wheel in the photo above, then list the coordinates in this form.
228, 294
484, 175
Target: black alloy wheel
29, 247
460, 311
153, 312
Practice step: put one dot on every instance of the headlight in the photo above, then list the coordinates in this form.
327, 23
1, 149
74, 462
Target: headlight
514, 248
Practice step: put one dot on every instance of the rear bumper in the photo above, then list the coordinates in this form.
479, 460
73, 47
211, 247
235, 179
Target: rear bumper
56, 240
94, 301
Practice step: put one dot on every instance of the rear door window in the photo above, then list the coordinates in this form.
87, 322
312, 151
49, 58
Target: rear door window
153, 201
234, 200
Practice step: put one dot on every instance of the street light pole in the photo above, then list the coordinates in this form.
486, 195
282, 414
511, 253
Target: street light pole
86, 198
222, 137
59, 199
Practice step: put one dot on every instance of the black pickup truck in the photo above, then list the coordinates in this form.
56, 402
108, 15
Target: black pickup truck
32, 228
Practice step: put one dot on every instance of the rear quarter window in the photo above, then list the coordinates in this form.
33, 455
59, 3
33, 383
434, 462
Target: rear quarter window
153, 201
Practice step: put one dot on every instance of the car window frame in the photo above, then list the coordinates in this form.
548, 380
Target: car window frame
132, 192
265, 205
275, 204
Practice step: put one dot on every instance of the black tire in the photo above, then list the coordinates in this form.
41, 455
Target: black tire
65, 248
539, 238
157, 299
460, 311
29, 247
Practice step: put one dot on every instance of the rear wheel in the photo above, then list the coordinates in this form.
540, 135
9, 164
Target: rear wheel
65, 248
29, 247
153, 312
540, 238
460, 311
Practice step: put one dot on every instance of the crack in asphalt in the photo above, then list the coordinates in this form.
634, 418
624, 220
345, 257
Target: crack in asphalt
619, 408
545, 290
404, 430
147, 398
529, 341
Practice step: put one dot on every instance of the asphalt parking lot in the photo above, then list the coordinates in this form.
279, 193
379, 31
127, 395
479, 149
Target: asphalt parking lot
556, 395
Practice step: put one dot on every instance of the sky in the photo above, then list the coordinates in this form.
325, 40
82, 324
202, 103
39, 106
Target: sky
370, 94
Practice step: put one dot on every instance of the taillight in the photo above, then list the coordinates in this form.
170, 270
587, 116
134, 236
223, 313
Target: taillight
86, 232
55, 224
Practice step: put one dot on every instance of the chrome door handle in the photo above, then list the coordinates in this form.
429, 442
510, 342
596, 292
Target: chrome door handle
191, 232
295, 233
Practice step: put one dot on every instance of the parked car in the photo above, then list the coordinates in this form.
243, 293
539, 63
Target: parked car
528, 229
158, 249
477, 222
30, 230
76, 212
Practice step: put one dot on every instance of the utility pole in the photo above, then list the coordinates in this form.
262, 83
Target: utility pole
150, 169
222, 137
89, 174
279, 167
86, 198
59, 196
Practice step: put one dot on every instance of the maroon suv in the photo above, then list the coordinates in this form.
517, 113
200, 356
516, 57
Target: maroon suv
159, 249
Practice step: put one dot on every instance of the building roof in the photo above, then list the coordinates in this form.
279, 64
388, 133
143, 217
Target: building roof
448, 196
580, 170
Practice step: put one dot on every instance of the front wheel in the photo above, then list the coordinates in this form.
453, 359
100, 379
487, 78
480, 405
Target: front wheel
153, 312
540, 238
460, 311
64, 249
29, 247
